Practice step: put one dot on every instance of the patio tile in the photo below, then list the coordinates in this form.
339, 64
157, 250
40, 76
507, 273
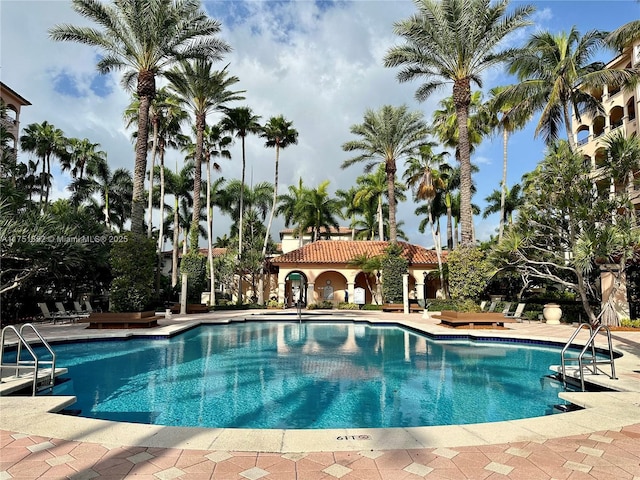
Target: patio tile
169, 474
418, 469
254, 473
336, 470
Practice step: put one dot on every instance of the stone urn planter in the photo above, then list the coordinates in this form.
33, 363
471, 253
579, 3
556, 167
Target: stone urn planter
552, 313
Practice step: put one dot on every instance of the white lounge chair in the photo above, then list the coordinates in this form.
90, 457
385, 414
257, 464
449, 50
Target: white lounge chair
79, 311
507, 307
492, 307
517, 314
482, 305
63, 312
53, 317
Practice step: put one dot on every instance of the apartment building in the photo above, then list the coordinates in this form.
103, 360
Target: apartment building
13, 102
620, 113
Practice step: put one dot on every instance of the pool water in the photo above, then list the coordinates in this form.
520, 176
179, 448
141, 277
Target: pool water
309, 375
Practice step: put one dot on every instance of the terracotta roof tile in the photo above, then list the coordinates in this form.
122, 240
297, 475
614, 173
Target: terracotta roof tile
342, 251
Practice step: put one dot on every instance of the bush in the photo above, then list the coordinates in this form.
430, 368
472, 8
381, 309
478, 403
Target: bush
627, 322
469, 272
371, 306
275, 304
132, 264
348, 306
393, 266
458, 305
195, 266
324, 305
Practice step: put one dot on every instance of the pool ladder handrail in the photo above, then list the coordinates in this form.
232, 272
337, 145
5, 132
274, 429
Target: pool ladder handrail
591, 360
35, 363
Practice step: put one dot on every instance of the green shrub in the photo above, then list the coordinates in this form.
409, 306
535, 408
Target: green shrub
275, 304
324, 305
469, 272
347, 306
627, 322
393, 267
195, 266
133, 267
371, 306
458, 305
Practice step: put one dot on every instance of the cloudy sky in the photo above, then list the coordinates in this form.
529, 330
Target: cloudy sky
318, 63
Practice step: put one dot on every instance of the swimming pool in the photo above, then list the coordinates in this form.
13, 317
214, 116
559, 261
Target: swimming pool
309, 375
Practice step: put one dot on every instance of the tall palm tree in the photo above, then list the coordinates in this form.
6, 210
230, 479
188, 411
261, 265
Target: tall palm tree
81, 152
555, 73
624, 35
114, 190
455, 41
144, 38
290, 207
241, 122
279, 134
350, 209
386, 136
505, 206
202, 90
46, 142
423, 176
506, 118
179, 184
319, 211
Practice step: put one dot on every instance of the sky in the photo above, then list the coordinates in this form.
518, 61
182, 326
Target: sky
318, 63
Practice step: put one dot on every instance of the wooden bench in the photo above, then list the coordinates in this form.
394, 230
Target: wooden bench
473, 319
399, 307
191, 308
101, 320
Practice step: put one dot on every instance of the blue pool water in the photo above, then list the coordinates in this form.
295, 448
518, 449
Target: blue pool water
289, 375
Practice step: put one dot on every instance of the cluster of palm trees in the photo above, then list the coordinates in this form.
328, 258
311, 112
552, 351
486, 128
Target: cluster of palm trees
444, 42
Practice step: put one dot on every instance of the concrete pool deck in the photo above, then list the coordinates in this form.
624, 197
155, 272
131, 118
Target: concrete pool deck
600, 441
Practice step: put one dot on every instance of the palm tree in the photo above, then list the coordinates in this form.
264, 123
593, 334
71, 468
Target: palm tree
241, 121
505, 206
455, 41
46, 142
555, 75
81, 152
386, 136
202, 90
114, 190
508, 119
279, 134
351, 210
290, 206
179, 184
319, 211
423, 174
144, 38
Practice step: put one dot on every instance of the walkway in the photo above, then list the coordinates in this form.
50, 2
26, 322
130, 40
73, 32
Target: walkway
612, 451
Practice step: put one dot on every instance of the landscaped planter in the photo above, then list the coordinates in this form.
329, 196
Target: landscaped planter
552, 313
122, 319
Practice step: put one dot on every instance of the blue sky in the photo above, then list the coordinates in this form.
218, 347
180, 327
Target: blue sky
317, 63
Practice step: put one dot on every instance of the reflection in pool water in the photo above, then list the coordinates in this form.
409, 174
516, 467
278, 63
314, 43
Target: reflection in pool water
309, 375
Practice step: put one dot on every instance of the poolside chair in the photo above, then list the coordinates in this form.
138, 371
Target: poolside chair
53, 317
87, 306
63, 312
79, 311
517, 314
507, 307
482, 305
492, 307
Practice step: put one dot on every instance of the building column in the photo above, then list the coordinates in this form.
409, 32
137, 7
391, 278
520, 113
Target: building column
310, 290
351, 286
281, 292
405, 292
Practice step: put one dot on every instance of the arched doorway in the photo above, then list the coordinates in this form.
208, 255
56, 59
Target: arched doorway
295, 289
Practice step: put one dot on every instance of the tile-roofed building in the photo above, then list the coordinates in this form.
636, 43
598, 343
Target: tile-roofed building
324, 268
291, 242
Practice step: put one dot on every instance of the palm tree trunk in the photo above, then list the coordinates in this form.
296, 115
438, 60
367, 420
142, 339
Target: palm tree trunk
197, 182
462, 99
176, 238
161, 226
47, 181
241, 222
391, 184
567, 126
153, 164
140, 167
380, 221
435, 233
212, 280
268, 232
107, 218
503, 190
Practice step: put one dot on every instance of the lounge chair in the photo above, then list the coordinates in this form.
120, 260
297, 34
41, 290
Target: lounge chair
505, 310
79, 311
88, 308
62, 311
517, 314
482, 305
492, 307
54, 317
